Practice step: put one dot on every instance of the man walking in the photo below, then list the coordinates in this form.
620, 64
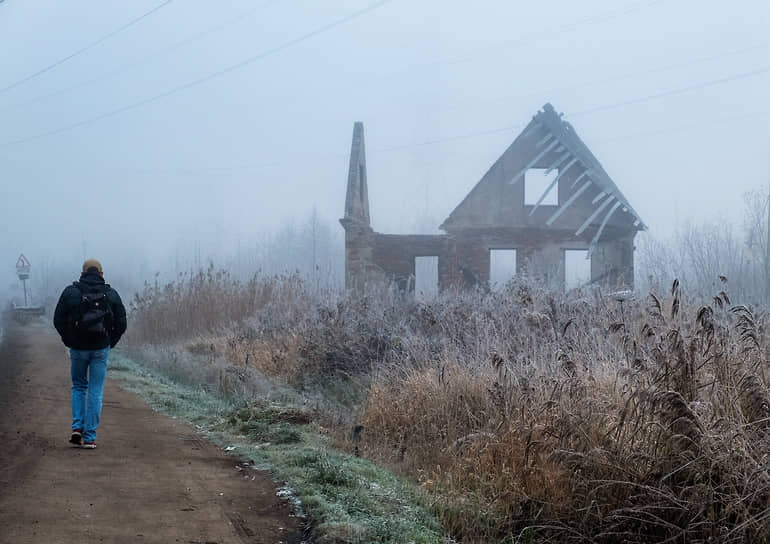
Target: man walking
90, 318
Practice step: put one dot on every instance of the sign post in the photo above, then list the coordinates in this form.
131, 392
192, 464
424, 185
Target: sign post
23, 267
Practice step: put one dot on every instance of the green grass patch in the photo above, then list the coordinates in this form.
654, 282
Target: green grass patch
348, 500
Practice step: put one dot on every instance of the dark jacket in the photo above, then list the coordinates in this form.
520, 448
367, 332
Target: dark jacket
68, 309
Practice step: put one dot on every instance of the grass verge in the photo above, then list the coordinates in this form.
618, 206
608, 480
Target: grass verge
525, 415
347, 499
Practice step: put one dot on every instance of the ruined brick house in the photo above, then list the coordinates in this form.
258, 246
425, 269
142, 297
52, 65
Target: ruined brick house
575, 206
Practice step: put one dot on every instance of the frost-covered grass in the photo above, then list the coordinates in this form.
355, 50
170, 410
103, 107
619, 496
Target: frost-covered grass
525, 415
345, 498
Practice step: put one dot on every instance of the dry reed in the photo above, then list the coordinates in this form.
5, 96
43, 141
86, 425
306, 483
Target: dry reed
527, 415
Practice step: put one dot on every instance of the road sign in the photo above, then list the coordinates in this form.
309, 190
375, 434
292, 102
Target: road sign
22, 267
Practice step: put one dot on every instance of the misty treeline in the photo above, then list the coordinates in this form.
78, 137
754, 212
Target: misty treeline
706, 255
312, 248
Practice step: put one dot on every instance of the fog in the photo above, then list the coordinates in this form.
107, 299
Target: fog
211, 131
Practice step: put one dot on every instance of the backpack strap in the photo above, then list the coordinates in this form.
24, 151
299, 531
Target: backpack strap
98, 288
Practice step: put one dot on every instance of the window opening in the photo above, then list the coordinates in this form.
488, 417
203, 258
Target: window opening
425, 277
502, 267
577, 268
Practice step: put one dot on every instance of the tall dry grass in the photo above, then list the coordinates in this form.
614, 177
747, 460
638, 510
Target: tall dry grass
207, 303
529, 415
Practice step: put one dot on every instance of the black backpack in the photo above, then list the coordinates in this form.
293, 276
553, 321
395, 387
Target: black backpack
94, 316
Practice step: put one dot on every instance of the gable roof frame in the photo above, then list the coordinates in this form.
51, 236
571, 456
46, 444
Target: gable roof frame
555, 136
563, 132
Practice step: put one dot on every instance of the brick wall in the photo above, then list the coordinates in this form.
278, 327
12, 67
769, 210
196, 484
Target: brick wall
464, 257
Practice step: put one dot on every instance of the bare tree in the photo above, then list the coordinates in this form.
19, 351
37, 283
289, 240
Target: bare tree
705, 255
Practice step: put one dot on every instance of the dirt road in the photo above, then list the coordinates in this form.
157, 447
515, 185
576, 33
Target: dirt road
151, 480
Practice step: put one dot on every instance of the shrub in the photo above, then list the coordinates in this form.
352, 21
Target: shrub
528, 415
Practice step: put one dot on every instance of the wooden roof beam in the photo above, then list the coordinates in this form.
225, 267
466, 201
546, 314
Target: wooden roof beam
544, 139
594, 215
569, 201
531, 130
577, 179
551, 186
534, 161
558, 162
595, 239
569, 165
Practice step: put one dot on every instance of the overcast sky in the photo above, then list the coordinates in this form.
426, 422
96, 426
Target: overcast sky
670, 95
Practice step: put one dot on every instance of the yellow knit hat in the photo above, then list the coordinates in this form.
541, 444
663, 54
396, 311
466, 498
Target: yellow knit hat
92, 263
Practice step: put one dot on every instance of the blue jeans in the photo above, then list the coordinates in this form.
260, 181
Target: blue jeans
88, 369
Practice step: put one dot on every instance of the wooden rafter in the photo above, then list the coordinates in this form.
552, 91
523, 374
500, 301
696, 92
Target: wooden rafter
568, 165
594, 215
534, 161
544, 139
551, 186
577, 179
595, 239
569, 201
558, 162
531, 130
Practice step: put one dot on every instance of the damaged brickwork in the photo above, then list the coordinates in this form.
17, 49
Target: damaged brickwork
586, 211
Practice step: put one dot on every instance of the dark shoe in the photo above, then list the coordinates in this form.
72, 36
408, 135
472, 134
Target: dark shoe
77, 437
89, 445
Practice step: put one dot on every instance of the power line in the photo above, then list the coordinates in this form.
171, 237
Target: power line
85, 48
486, 132
438, 141
605, 107
608, 15
673, 92
144, 60
628, 75
204, 79
673, 66
589, 20
371, 7
689, 126
448, 139
521, 126
526, 39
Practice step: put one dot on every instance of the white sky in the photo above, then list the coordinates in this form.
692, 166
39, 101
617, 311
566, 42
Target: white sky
219, 162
